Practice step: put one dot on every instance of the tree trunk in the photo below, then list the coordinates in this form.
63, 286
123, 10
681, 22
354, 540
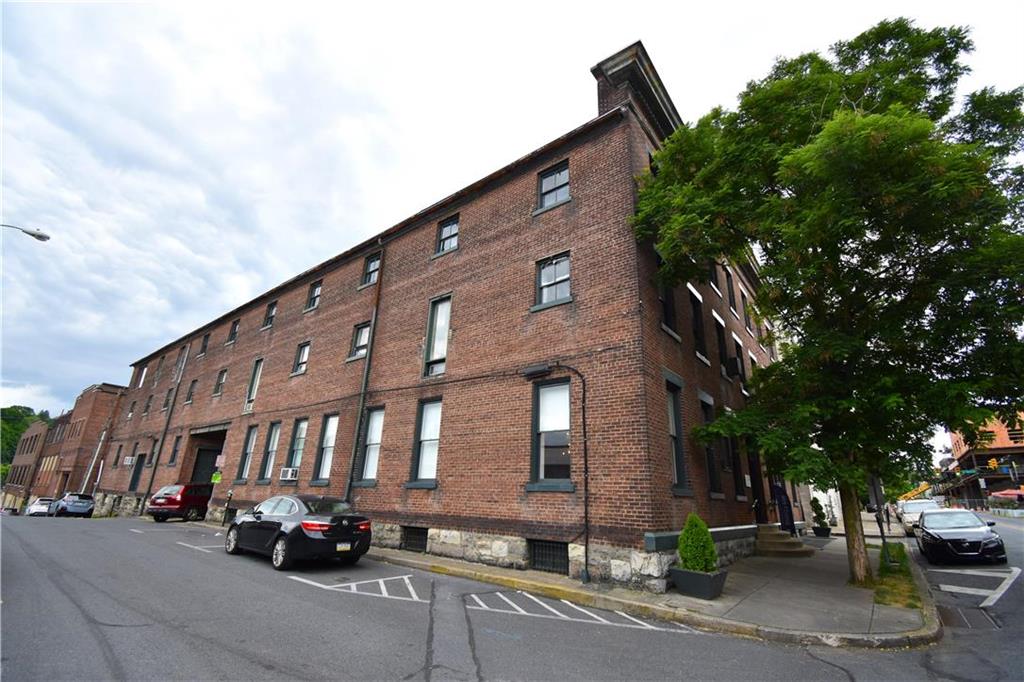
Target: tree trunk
856, 549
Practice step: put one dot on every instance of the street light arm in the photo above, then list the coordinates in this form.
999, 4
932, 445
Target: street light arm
35, 234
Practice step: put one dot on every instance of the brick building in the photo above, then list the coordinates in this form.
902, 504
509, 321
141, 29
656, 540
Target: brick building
499, 377
18, 486
89, 420
46, 481
970, 480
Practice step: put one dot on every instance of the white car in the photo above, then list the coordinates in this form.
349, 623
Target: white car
912, 512
40, 507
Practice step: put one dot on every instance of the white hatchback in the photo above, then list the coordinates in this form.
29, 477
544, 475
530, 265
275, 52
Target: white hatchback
912, 512
39, 507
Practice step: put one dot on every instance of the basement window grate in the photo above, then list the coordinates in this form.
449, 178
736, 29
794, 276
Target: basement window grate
552, 557
414, 539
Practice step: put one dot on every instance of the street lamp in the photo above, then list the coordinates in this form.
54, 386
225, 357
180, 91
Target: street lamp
35, 234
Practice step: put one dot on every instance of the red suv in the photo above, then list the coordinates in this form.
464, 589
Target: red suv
186, 501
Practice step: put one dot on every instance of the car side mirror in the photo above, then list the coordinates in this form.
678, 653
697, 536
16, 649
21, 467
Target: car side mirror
257, 514
991, 523
917, 525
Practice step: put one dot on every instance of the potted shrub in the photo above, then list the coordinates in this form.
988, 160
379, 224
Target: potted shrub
697, 574
821, 528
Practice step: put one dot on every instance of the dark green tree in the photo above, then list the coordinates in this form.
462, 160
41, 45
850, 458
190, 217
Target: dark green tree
13, 422
886, 221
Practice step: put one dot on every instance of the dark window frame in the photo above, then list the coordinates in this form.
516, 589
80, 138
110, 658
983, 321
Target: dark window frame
313, 295
429, 363
204, 345
290, 462
299, 366
233, 331
117, 456
543, 195
441, 245
700, 342
318, 463
418, 445
191, 393
731, 293
364, 446
712, 456
269, 315
540, 287
536, 479
167, 399
148, 405
218, 385
371, 270
245, 462
681, 474
357, 350
267, 462
174, 451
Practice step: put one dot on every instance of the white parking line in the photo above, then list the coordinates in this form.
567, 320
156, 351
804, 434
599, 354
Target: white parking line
511, 603
582, 610
557, 613
351, 588
482, 605
383, 588
198, 549
408, 586
649, 627
991, 596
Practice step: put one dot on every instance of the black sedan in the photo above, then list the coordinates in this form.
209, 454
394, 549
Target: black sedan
957, 534
73, 504
294, 527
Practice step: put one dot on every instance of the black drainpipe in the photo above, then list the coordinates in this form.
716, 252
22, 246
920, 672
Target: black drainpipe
585, 572
167, 424
366, 375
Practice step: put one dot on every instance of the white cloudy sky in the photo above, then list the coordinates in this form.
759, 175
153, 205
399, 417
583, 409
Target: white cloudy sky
187, 156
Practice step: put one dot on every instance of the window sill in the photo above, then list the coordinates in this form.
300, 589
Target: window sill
319, 483
741, 498
310, 309
353, 358
734, 313
187, 402
716, 496
266, 327
680, 491
171, 464
229, 343
291, 483
545, 209
444, 253
715, 288
550, 304
217, 395
239, 481
668, 330
426, 484
262, 481
750, 332
247, 409
365, 483
702, 358
365, 286
296, 374
199, 355
551, 487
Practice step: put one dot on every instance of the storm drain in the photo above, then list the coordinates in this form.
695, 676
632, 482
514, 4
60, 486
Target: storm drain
414, 539
968, 619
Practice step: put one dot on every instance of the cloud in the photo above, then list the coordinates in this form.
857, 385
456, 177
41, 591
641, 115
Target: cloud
30, 395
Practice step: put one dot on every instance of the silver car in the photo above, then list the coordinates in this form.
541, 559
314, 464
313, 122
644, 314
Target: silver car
39, 507
912, 512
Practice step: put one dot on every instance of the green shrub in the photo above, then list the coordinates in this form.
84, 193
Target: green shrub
696, 548
818, 513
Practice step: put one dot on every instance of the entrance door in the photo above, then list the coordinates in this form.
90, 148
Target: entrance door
140, 461
206, 464
757, 487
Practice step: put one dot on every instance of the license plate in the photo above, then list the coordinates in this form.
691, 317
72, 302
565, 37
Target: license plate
344, 546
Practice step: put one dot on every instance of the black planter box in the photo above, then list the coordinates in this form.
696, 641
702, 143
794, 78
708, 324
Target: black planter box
698, 584
822, 532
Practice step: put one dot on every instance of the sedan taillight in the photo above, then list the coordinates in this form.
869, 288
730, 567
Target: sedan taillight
318, 526
363, 526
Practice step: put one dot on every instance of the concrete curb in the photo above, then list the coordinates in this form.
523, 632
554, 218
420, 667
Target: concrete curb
929, 633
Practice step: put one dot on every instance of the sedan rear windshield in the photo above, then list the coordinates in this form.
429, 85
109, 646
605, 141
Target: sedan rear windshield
964, 519
920, 505
169, 490
328, 506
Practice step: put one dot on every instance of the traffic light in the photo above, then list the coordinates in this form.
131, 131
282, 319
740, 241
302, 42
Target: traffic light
993, 464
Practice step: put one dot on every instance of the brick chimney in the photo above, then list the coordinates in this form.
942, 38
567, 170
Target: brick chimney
628, 76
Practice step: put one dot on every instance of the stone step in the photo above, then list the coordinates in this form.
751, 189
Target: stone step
789, 552
780, 542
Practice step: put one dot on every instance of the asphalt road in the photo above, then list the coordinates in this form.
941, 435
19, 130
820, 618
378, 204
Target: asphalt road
119, 599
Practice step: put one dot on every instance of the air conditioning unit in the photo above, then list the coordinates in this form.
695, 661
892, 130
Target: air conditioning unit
289, 473
128, 461
733, 367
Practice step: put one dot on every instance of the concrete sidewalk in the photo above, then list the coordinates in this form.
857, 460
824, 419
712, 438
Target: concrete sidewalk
894, 531
804, 601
